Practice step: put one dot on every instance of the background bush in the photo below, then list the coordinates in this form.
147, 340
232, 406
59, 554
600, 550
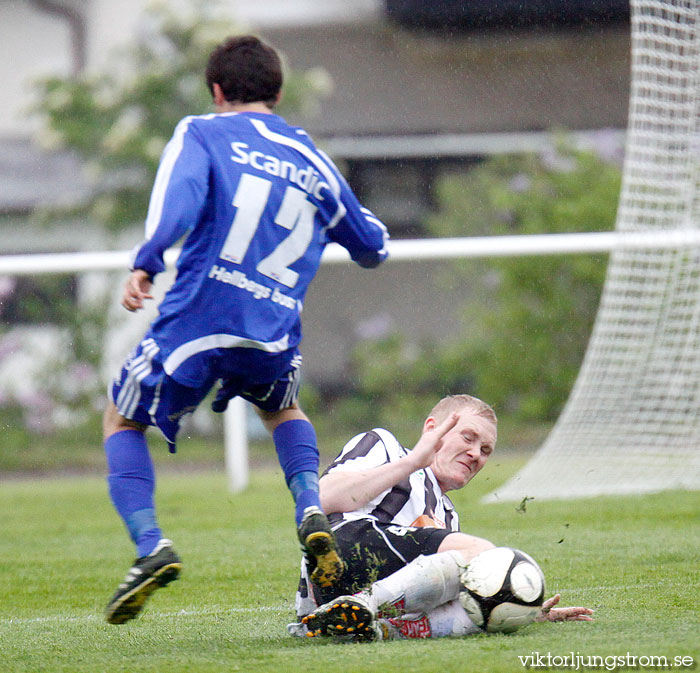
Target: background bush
527, 320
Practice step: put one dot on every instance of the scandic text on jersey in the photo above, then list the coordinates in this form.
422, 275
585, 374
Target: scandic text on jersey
306, 178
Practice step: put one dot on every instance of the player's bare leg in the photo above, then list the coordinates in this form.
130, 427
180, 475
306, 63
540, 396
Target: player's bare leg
467, 545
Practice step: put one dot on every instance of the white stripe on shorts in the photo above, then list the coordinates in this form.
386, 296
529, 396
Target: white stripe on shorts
190, 348
139, 369
127, 391
293, 385
388, 544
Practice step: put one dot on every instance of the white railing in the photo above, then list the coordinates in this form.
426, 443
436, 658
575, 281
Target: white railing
402, 250
235, 431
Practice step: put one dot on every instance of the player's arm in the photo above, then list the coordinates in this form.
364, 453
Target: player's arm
362, 234
178, 196
356, 228
348, 490
550, 613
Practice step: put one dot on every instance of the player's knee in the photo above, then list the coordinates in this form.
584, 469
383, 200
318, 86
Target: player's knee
271, 419
113, 422
467, 545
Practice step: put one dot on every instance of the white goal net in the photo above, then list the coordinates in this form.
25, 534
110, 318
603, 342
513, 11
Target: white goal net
632, 422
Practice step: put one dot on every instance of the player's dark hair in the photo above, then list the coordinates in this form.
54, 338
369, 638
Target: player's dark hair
246, 69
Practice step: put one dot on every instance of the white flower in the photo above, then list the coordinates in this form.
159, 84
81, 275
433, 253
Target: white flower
57, 99
103, 207
124, 129
106, 96
320, 80
49, 139
154, 147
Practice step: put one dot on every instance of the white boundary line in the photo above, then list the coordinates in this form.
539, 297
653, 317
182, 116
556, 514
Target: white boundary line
166, 615
289, 607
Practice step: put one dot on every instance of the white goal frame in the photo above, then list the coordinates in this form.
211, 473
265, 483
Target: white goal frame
235, 429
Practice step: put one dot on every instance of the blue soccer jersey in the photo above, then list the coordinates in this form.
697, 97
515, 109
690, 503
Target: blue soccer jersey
258, 202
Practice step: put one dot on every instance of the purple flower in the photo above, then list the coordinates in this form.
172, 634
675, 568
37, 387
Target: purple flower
557, 163
520, 183
609, 145
7, 286
10, 343
376, 327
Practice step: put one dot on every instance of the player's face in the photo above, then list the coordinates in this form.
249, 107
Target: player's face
464, 451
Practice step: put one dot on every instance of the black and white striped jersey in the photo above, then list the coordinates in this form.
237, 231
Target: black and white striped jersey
415, 501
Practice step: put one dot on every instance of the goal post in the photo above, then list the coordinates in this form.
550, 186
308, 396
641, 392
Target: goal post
632, 422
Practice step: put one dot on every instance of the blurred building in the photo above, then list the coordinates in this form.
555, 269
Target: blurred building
419, 88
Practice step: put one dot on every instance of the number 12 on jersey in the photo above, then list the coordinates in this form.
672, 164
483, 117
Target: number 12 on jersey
295, 213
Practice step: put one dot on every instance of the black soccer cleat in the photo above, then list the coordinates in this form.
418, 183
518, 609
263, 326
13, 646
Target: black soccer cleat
318, 544
148, 573
347, 618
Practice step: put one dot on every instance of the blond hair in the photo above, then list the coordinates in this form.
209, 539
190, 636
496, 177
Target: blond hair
458, 402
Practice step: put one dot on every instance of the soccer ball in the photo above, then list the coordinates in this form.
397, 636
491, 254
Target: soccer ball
502, 589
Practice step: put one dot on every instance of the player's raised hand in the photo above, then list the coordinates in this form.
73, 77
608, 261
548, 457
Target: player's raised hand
550, 613
431, 441
137, 289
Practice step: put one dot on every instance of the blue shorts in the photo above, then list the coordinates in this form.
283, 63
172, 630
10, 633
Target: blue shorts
144, 393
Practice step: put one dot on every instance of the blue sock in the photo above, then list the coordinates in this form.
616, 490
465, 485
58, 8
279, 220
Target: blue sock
304, 488
131, 480
295, 442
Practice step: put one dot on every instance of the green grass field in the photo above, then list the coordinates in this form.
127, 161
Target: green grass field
63, 551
